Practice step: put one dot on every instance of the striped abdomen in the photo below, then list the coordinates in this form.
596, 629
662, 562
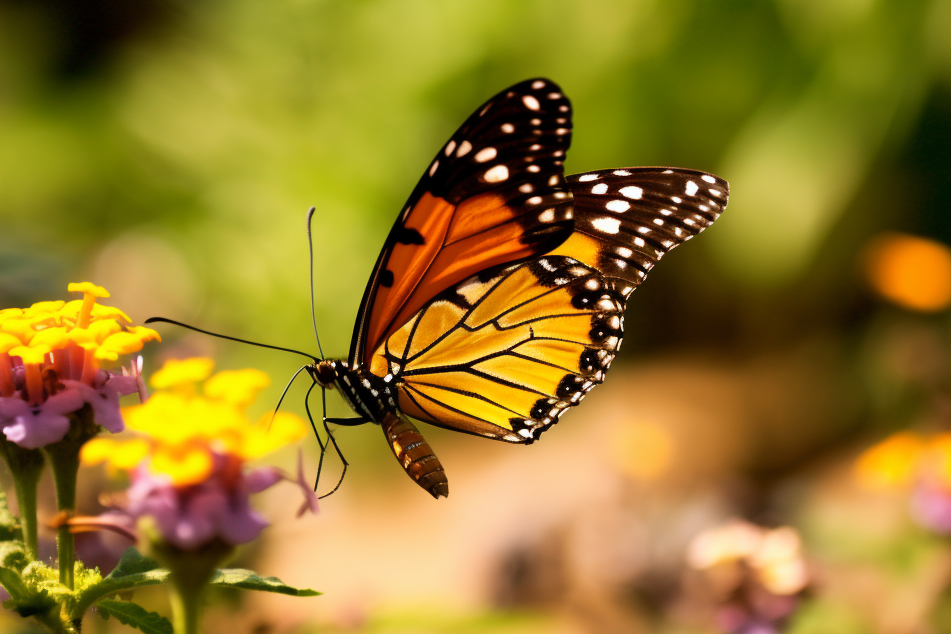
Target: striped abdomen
415, 455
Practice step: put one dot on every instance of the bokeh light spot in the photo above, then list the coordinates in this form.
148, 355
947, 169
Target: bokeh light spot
643, 450
912, 272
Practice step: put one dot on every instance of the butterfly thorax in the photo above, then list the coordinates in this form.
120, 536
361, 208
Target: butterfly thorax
368, 395
374, 398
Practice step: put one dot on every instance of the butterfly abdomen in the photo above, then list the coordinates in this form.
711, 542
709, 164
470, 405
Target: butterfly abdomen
415, 455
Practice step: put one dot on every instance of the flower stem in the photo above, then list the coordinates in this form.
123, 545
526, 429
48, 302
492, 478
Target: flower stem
64, 458
190, 572
26, 465
65, 463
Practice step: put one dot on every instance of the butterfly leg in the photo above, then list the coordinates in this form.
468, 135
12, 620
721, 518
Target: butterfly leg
415, 455
333, 441
348, 422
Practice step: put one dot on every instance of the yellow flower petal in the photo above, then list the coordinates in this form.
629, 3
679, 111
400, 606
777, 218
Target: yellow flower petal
267, 436
8, 342
123, 343
109, 312
103, 328
22, 329
189, 465
53, 338
44, 308
891, 463
238, 387
179, 371
88, 287
130, 453
30, 355
97, 451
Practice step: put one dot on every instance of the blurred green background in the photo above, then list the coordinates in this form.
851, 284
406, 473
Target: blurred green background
169, 151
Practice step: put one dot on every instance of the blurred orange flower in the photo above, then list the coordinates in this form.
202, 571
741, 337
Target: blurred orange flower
912, 272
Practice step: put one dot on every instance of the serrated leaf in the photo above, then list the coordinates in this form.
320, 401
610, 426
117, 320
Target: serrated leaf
134, 615
25, 599
133, 562
13, 555
134, 570
250, 580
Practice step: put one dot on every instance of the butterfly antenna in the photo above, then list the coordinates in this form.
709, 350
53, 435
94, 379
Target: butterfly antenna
153, 320
313, 309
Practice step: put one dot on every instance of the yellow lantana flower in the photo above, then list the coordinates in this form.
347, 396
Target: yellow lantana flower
182, 430
70, 338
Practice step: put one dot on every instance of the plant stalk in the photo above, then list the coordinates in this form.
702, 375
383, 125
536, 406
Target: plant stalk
26, 465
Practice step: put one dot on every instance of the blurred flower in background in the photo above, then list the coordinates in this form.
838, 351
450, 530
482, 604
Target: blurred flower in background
754, 575
912, 272
188, 456
918, 464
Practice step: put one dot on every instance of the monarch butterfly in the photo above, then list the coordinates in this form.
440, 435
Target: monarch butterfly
497, 301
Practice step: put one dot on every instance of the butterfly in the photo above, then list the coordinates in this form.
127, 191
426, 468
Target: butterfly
497, 301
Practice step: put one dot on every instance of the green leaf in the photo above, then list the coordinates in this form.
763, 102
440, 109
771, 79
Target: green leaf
132, 563
13, 555
134, 615
250, 580
134, 570
25, 599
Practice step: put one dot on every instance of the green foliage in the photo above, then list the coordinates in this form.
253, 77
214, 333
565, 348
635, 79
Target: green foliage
248, 580
9, 524
134, 615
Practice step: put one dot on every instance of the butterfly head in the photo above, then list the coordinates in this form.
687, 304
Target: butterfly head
325, 372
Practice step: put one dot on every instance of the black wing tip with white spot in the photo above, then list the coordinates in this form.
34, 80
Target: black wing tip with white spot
639, 214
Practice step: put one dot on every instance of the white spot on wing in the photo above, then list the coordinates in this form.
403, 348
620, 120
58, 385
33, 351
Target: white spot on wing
554, 95
606, 225
553, 181
632, 192
525, 188
534, 200
538, 84
533, 168
464, 148
621, 173
692, 188
450, 147
508, 128
624, 252
600, 188
584, 178
485, 154
547, 216
619, 206
708, 178
497, 174
530, 102
432, 170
